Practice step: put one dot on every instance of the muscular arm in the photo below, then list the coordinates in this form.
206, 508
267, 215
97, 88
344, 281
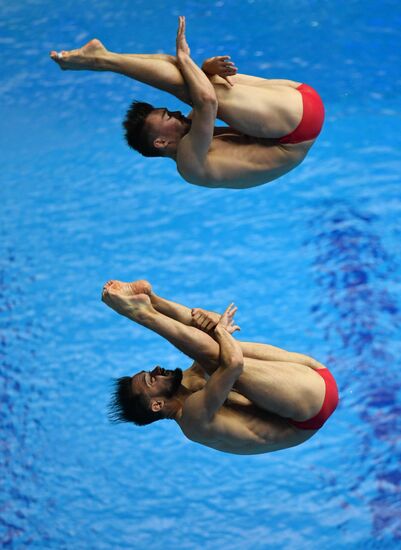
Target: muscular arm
219, 385
183, 314
201, 90
206, 321
195, 145
172, 309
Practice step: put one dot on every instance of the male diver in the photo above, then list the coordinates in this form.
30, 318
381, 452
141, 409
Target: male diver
272, 124
237, 397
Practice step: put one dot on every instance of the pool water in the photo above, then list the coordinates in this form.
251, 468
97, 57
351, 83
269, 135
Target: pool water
312, 261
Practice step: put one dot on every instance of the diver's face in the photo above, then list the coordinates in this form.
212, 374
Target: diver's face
158, 382
168, 124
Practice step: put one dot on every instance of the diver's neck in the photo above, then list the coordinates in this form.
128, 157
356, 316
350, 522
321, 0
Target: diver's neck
180, 397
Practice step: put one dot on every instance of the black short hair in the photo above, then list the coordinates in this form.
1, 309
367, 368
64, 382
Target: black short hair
135, 129
127, 406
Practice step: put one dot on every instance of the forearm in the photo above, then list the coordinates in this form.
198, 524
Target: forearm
230, 350
179, 312
172, 309
189, 340
200, 88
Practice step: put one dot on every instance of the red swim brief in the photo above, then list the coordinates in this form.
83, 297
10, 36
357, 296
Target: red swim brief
329, 404
312, 117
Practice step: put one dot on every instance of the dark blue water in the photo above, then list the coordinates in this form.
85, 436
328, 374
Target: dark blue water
312, 262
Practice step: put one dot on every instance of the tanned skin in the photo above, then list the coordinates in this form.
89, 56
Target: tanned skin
257, 111
237, 396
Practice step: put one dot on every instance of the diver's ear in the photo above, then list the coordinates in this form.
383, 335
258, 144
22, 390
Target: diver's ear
160, 143
157, 405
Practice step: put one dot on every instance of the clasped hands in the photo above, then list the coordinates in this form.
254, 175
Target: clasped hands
220, 65
208, 321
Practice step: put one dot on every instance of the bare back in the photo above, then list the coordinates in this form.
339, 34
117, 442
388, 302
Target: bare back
247, 152
240, 427
238, 161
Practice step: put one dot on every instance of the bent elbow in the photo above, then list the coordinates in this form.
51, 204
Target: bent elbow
237, 364
210, 99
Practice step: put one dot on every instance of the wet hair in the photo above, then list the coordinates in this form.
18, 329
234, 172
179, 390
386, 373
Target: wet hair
136, 134
129, 406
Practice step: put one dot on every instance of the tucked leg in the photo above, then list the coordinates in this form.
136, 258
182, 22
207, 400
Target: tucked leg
268, 111
157, 70
137, 307
285, 388
291, 390
250, 350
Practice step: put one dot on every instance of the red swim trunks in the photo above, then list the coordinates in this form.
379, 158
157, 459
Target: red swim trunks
312, 117
329, 404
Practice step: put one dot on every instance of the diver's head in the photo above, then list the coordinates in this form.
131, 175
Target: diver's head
146, 397
154, 132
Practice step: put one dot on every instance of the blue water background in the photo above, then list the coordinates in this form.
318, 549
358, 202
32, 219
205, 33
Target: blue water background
312, 261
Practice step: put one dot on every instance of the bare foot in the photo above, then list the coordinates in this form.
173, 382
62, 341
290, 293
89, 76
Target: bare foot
85, 58
141, 287
128, 299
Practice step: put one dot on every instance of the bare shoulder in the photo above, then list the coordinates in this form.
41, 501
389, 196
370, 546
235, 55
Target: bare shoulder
238, 161
193, 409
224, 431
192, 168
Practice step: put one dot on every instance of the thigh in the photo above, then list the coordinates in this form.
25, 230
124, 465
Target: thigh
263, 82
266, 352
290, 390
262, 112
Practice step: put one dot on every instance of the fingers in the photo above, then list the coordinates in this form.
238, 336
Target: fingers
208, 325
205, 322
230, 312
225, 63
231, 328
228, 72
225, 59
202, 320
181, 24
196, 314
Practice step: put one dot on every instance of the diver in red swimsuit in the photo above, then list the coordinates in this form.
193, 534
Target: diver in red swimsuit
271, 124
238, 397
312, 119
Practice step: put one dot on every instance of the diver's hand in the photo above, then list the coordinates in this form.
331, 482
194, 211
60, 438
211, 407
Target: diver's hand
227, 320
220, 65
203, 319
181, 42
